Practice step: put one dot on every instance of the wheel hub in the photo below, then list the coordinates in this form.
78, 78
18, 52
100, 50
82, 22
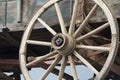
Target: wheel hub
65, 44
59, 41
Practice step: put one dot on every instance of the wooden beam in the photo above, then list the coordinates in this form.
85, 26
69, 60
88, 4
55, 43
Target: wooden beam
9, 62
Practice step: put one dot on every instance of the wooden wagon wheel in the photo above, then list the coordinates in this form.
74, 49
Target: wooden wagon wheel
68, 43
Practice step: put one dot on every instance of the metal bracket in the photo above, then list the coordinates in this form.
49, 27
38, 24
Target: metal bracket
19, 10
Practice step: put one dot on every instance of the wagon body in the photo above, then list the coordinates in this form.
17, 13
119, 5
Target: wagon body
18, 16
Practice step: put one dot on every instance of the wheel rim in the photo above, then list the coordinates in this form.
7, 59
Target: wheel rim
68, 44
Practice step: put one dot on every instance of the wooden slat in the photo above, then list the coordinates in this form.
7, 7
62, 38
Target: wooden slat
9, 62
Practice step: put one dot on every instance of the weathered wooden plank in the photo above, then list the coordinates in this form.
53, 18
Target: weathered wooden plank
6, 0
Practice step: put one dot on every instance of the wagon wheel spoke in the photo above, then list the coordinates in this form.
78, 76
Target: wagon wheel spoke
78, 31
51, 67
97, 30
63, 65
93, 47
97, 52
47, 26
86, 62
73, 20
41, 43
60, 17
41, 58
72, 64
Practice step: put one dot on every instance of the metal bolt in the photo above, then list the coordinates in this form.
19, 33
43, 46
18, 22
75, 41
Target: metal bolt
59, 41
